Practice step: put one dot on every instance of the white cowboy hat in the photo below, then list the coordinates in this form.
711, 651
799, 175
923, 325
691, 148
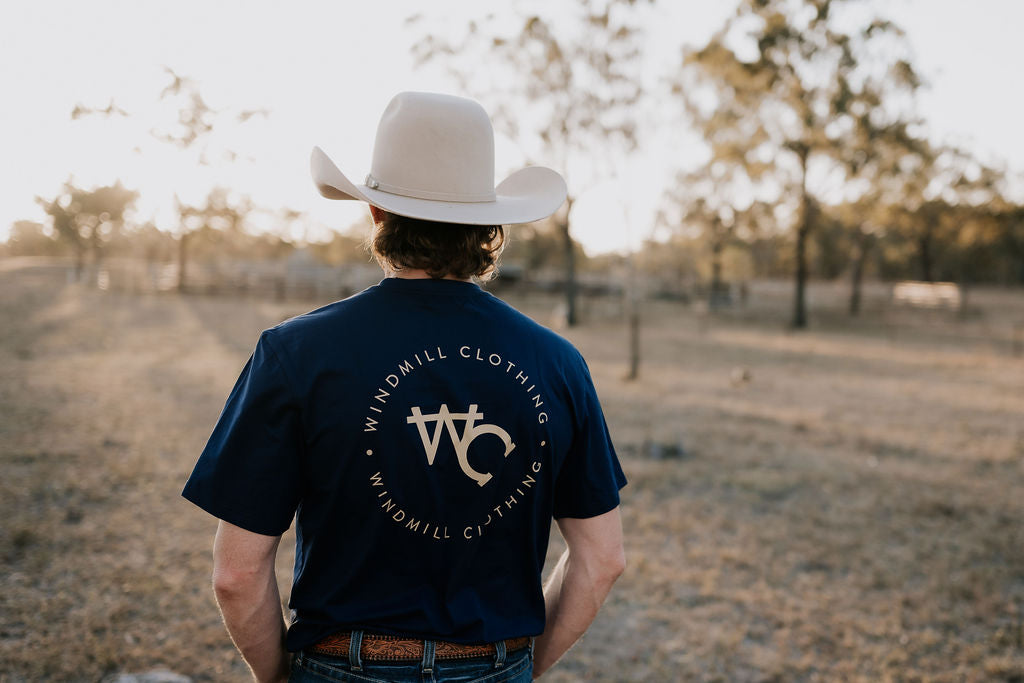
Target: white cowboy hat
433, 159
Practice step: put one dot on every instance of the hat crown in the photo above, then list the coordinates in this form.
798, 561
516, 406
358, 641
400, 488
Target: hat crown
434, 146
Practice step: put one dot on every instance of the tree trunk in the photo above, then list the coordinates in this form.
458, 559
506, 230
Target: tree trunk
803, 228
715, 295
857, 277
633, 320
79, 261
634, 339
924, 244
799, 299
182, 260
96, 247
571, 317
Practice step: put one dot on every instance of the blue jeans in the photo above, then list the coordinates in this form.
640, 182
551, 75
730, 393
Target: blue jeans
504, 667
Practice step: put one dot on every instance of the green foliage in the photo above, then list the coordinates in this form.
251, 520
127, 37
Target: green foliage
783, 89
813, 116
802, 89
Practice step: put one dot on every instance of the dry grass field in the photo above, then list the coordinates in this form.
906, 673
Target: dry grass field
839, 504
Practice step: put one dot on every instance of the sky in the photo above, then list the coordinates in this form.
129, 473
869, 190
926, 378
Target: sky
324, 72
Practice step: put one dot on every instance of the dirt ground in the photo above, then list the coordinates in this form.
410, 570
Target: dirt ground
843, 503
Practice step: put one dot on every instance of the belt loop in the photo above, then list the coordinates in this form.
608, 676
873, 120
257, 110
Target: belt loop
355, 645
533, 640
427, 665
499, 654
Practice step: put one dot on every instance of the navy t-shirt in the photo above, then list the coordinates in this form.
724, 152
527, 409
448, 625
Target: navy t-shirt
423, 433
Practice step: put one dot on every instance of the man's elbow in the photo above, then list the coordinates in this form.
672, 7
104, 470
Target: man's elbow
232, 583
610, 568
616, 565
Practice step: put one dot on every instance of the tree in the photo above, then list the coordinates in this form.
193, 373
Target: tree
569, 83
219, 213
778, 92
1011, 239
29, 238
894, 168
190, 132
88, 219
717, 204
952, 191
539, 247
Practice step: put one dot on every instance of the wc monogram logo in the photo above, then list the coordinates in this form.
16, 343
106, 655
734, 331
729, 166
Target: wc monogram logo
470, 431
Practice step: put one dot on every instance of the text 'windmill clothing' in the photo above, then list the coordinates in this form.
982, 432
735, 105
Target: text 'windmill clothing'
424, 433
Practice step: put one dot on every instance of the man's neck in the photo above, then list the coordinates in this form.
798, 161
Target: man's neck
420, 274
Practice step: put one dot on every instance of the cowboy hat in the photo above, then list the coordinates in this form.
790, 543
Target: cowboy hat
433, 159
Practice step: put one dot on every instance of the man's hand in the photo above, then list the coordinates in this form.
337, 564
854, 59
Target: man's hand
581, 581
246, 589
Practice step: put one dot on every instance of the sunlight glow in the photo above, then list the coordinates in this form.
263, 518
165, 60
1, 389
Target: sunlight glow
323, 72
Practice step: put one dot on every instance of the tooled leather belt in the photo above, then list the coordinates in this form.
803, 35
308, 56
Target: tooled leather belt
376, 647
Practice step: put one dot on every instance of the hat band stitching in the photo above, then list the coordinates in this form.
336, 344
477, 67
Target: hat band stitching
375, 184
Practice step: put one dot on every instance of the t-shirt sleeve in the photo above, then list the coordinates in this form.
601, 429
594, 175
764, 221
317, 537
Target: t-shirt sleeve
249, 472
590, 478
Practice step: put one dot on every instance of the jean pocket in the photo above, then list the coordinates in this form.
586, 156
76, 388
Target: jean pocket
306, 669
516, 670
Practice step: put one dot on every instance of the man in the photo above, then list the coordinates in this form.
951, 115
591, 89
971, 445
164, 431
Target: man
423, 434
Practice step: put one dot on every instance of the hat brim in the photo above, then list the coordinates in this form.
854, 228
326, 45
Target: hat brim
529, 194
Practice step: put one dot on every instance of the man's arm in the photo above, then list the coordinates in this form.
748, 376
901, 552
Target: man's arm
246, 589
580, 583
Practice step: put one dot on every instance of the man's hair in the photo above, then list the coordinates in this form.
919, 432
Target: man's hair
441, 249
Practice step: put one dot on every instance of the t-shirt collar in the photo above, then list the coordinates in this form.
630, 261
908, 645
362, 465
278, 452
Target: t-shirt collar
429, 285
